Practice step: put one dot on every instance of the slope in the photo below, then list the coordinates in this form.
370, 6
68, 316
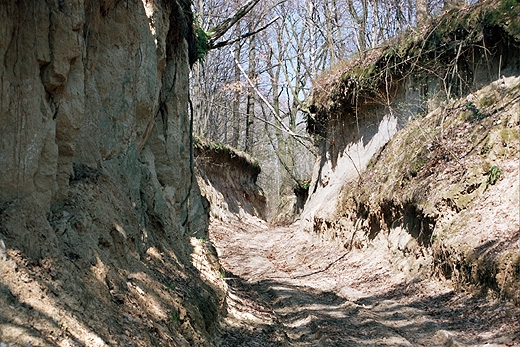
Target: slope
419, 144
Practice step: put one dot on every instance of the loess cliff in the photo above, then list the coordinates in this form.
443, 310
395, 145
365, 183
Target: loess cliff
100, 210
228, 180
419, 146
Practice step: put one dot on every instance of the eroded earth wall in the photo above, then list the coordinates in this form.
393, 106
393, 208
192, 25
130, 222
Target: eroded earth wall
95, 153
227, 178
408, 157
97, 87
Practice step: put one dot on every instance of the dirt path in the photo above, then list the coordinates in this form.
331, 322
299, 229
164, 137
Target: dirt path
290, 289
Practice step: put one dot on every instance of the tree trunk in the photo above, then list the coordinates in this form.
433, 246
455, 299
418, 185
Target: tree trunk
250, 106
361, 19
235, 136
422, 11
329, 32
310, 22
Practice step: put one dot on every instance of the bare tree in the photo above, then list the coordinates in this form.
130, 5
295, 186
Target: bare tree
255, 97
250, 104
235, 137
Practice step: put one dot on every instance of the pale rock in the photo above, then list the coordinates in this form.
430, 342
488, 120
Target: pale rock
3, 251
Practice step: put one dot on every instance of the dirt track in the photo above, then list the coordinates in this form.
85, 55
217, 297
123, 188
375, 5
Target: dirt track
288, 288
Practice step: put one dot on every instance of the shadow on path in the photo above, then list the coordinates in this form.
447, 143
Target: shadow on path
305, 316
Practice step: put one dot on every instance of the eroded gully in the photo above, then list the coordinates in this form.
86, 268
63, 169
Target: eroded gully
288, 288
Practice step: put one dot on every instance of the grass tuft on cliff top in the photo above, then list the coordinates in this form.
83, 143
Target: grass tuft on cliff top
205, 146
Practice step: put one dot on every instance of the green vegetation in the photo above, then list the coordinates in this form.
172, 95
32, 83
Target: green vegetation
302, 185
202, 43
202, 38
506, 16
487, 100
494, 173
171, 287
175, 317
473, 112
418, 162
508, 136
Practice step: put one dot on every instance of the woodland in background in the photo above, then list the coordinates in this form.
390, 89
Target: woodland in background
253, 88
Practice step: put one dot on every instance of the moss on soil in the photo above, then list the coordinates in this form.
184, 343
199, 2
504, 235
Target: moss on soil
204, 146
448, 39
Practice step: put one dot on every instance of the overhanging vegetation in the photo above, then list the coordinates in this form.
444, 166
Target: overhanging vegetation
449, 49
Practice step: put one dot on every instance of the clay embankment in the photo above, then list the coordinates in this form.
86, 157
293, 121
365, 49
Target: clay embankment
98, 200
419, 151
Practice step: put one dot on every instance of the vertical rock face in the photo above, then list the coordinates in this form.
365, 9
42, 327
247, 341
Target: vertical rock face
97, 191
94, 88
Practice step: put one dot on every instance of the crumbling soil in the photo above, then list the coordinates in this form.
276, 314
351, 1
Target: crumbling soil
289, 288
98, 288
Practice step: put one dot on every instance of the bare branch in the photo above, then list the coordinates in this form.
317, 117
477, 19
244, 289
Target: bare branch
243, 36
285, 128
219, 31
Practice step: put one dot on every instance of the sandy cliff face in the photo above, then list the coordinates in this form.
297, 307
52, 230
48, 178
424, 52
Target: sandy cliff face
406, 155
93, 86
96, 176
227, 178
